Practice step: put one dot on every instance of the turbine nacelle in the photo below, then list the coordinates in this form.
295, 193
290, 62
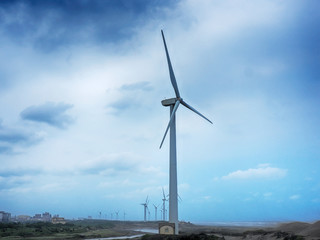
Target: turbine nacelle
170, 101
174, 103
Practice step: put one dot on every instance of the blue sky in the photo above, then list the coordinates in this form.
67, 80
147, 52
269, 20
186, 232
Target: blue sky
81, 120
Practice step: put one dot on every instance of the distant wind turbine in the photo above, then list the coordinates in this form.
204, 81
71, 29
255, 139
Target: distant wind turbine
145, 207
174, 104
155, 211
164, 199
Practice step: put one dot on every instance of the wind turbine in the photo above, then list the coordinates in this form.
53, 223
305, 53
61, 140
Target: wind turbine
155, 211
117, 214
174, 104
164, 199
145, 206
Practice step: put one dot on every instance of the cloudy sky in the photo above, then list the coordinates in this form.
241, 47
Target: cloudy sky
81, 120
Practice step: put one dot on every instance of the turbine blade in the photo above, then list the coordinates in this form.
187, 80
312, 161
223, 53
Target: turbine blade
172, 77
192, 109
163, 193
172, 114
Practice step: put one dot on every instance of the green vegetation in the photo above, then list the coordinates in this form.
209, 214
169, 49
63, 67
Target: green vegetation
47, 230
201, 236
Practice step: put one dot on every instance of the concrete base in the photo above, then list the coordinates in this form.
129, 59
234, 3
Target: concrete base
167, 228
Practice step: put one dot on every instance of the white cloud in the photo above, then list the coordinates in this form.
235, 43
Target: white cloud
294, 197
257, 173
117, 182
50, 113
206, 198
111, 164
267, 194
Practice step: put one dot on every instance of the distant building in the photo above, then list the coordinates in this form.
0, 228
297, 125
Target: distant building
56, 220
23, 218
37, 217
46, 217
4, 216
13, 219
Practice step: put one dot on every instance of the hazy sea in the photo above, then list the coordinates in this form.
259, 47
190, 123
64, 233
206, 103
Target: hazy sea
240, 224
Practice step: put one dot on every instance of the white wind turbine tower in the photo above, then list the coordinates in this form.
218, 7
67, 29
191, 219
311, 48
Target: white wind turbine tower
174, 104
155, 211
164, 199
145, 206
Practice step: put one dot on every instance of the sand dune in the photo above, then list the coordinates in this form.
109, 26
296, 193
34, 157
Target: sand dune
286, 231
294, 227
292, 230
302, 228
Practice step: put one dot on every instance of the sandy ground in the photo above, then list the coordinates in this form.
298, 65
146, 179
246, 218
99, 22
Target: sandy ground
285, 231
